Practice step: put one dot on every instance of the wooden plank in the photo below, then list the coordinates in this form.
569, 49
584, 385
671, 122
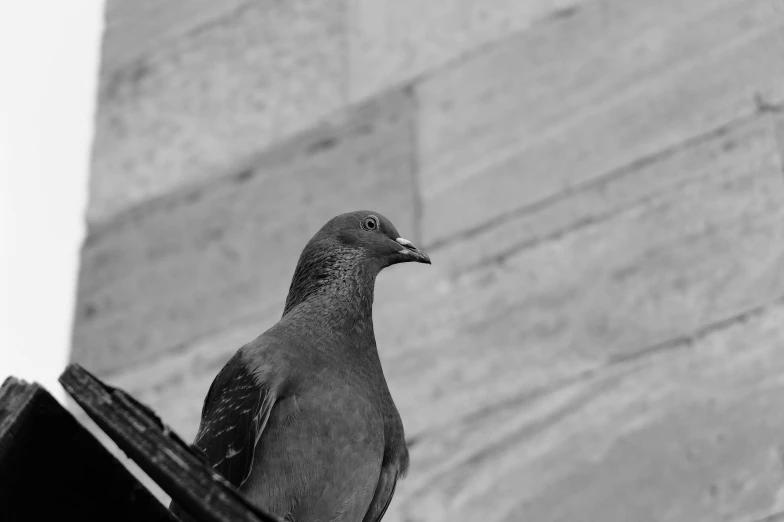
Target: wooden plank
178, 268
566, 103
393, 41
51, 468
139, 432
109, 444
202, 105
174, 384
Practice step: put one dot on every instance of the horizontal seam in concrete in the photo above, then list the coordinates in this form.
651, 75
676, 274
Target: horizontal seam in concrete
509, 439
766, 106
180, 195
164, 42
762, 106
673, 344
614, 174
403, 85
181, 192
554, 16
221, 19
184, 346
687, 340
499, 258
778, 516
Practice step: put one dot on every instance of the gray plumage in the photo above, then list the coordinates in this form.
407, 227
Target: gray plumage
301, 419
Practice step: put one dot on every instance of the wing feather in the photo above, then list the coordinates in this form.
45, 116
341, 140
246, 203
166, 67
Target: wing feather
385, 490
235, 412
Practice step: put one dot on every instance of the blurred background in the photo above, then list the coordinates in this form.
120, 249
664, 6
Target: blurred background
598, 183
48, 82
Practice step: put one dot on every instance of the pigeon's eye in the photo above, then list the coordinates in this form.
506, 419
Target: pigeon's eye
370, 223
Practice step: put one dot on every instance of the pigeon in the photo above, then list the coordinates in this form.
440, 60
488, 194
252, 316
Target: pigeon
301, 419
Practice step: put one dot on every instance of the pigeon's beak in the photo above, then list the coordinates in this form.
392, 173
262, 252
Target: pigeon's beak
410, 250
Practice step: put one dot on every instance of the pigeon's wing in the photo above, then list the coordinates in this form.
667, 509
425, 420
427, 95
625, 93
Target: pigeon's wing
233, 418
385, 490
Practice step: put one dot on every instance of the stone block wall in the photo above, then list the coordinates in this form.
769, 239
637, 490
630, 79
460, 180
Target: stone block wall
598, 182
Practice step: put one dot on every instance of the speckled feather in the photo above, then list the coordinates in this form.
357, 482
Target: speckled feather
301, 419
233, 420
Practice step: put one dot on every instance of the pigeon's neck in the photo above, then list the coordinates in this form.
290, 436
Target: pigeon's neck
335, 286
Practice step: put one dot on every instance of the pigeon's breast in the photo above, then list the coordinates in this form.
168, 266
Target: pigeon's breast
321, 453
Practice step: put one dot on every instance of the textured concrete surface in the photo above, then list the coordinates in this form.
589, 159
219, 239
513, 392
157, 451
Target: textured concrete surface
545, 111
599, 337
176, 268
188, 89
134, 29
208, 101
393, 41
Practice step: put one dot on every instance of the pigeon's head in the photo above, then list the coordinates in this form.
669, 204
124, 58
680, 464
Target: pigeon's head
344, 257
371, 236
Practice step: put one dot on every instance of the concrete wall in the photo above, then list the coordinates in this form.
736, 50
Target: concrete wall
599, 184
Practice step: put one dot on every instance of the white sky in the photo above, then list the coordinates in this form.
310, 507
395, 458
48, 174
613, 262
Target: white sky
49, 52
